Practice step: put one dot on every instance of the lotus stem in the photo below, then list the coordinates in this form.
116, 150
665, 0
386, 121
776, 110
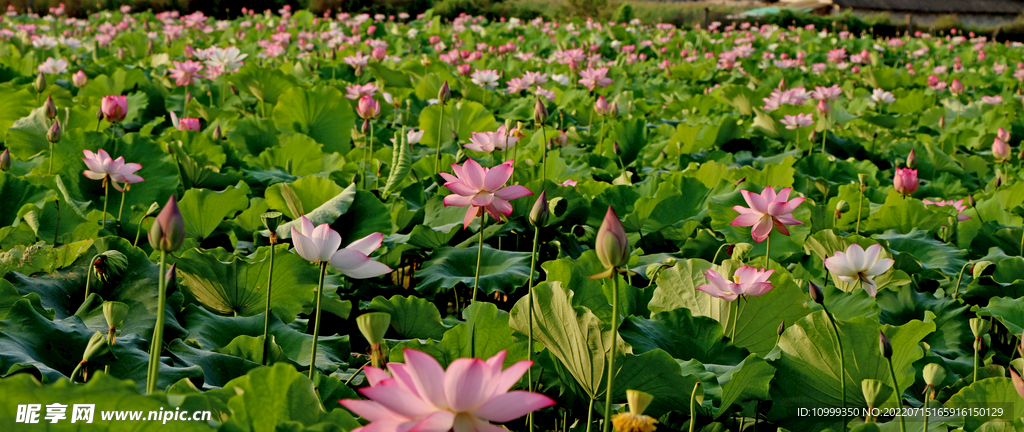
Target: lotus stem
611, 353
158, 331
734, 311
926, 397
270, 281
842, 358
376, 177
121, 208
106, 189
590, 414
959, 277
713, 260
88, 277
440, 133
977, 348
479, 253
138, 231
529, 351
899, 395
316, 322
56, 226
543, 155
768, 249
74, 373
824, 135
693, 408
49, 170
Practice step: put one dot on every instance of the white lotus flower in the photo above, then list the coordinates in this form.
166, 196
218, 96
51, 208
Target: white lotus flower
859, 265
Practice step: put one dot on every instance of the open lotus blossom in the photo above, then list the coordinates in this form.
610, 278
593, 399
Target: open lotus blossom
185, 73
881, 96
413, 135
827, 93
797, 121
53, 66
102, 167
747, 281
185, 124
321, 244
357, 91
959, 205
489, 141
859, 265
486, 78
593, 78
420, 395
767, 210
992, 100
479, 187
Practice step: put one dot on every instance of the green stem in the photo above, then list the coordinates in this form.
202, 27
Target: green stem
529, 351
121, 208
977, 346
899, 394
138, 231
440, 133
266, 321
50, 169
693, 408
860, 209
715, 259
768, 249
158, 331
590, 414
734, 312
316, 322
842, 359
106, 189
611, 355
479, 253
824, 135
56, 226
543, 155
959, 277
74, 373
926, 394
88, 277
376, 177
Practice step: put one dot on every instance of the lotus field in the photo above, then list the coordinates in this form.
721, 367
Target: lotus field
292, 222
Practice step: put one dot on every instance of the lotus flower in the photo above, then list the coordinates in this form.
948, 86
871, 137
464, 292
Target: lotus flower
956, 87
420, 395
797, 121
486, 78
859, 265
79, 79
767, 210
593, 78
479, 187
601, 106
747, 281
185, 73
168, 231
489, 141
367, 107
102, 167
611, 244
321, 244
881, 96
358, 91
185, 124
114, 108
905, 181
958, 205
1018, 384
1000, 149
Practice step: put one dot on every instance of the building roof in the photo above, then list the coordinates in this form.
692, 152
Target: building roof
988, 7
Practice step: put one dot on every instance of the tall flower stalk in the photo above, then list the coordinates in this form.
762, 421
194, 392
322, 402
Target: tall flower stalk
538, 218
612, 247
886, 349
819, 298
166, 235
271, 220
540, 115
443, 96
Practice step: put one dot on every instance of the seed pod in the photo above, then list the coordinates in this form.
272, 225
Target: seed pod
933, 374
979, 327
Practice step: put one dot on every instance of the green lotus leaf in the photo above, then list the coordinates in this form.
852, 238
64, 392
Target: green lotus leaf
322, 113
500, 270
411, 317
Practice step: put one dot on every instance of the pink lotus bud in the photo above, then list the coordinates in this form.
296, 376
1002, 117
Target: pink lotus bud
612, 245
1003, 134
379, 53
1000, 149
435, 39
371, 30
5, 160
601, 106
855, 69
114, 108
188, 124
79, 79
50, 108
823, 108
933, 80
906, 181
367, 107
956, 87
912, 160
464, 69
168, 230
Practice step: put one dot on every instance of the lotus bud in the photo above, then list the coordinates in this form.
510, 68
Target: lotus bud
999, 180
739, 181
912, 160
5, 160
189, 124
1003, 134
933, 374
540, 212
170, 278
956, 87
823, 108
1018, 383
601, 106
50, 108
613, 109
40, 84
905, 181
217, 133
53, 134
445, 94
114, 108
873, 392
1000, 149
781, 329
815, 292
611, 244
971, 201
942, 122
884, 346
168, 230
373, 326
368, 107
616, 148
979, 327
540, 112
272, 220
79, 79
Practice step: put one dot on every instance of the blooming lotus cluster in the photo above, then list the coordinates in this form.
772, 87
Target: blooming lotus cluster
747, 281
767, 210
482, 188
859, 265
419, 395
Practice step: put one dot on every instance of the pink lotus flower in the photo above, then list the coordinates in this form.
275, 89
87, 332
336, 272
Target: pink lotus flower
611, 244
1000, 149
797, 121
114, 108
1003, 134
992, 100
357, 91
367, 107
489, 141
827, 93
957, 87
747, 281
1018, 383
321, 244
185, 124
79, 79
185, 73
568, 183
859, 265
601, 106
767, 210
102, 167
419, 395
905, 181
479, 187
959, 205
593, 78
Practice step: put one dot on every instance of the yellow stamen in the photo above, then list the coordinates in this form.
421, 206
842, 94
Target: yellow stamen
629, 422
